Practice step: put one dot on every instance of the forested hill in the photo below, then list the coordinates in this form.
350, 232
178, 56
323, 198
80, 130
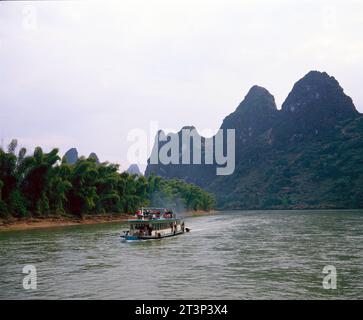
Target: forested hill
42, 185
309, 154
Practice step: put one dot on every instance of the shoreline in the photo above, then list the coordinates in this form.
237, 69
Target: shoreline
64, 221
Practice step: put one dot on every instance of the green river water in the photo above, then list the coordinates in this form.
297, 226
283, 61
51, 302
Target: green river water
231, 255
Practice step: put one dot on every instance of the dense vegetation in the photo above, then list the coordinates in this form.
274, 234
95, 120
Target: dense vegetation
42, 185
321, 172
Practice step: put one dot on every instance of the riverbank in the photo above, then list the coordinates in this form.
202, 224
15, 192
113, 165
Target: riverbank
49, 222
13, 224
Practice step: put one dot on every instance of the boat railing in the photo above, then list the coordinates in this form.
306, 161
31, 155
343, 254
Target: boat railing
154, 216
141, 218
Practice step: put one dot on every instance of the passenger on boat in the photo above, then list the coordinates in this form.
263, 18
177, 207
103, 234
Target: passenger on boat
138, 213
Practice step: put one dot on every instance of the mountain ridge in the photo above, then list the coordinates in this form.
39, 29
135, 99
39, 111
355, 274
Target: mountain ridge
280, 153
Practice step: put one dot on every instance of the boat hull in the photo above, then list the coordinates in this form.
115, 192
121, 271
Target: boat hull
132, 238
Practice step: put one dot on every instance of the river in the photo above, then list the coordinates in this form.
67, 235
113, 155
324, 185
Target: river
230, 255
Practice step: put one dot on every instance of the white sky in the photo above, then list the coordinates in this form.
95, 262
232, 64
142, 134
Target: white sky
84, 73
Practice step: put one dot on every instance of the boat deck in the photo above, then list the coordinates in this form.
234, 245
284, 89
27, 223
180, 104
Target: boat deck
138, 238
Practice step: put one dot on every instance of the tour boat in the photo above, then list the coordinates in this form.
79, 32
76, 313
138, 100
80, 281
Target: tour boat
154, 223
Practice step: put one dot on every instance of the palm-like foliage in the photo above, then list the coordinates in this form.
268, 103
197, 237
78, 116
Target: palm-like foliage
39, 184
37, 179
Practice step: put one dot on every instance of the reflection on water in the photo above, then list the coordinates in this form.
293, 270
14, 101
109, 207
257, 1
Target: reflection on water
232, 255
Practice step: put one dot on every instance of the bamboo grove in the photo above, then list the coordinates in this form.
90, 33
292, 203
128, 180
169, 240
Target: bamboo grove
42, 184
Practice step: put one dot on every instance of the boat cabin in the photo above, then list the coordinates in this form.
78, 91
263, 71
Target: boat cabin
154, 223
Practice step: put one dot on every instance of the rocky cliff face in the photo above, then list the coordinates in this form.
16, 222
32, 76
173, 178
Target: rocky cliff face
319, 96
71, 156
194, 173
309, 154
256, 114
314, 106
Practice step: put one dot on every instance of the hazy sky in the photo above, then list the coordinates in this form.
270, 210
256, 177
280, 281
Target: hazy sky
83, 74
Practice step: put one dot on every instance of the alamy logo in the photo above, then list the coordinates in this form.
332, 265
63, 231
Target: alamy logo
30, 280
330, 280
185, 147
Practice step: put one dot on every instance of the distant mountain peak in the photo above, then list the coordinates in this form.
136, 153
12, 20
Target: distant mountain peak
258, 99
321, 94
188, 128
257, 91
134, 169
71, 156
253, 115
94, 156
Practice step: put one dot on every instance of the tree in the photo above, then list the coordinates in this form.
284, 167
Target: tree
41, 185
